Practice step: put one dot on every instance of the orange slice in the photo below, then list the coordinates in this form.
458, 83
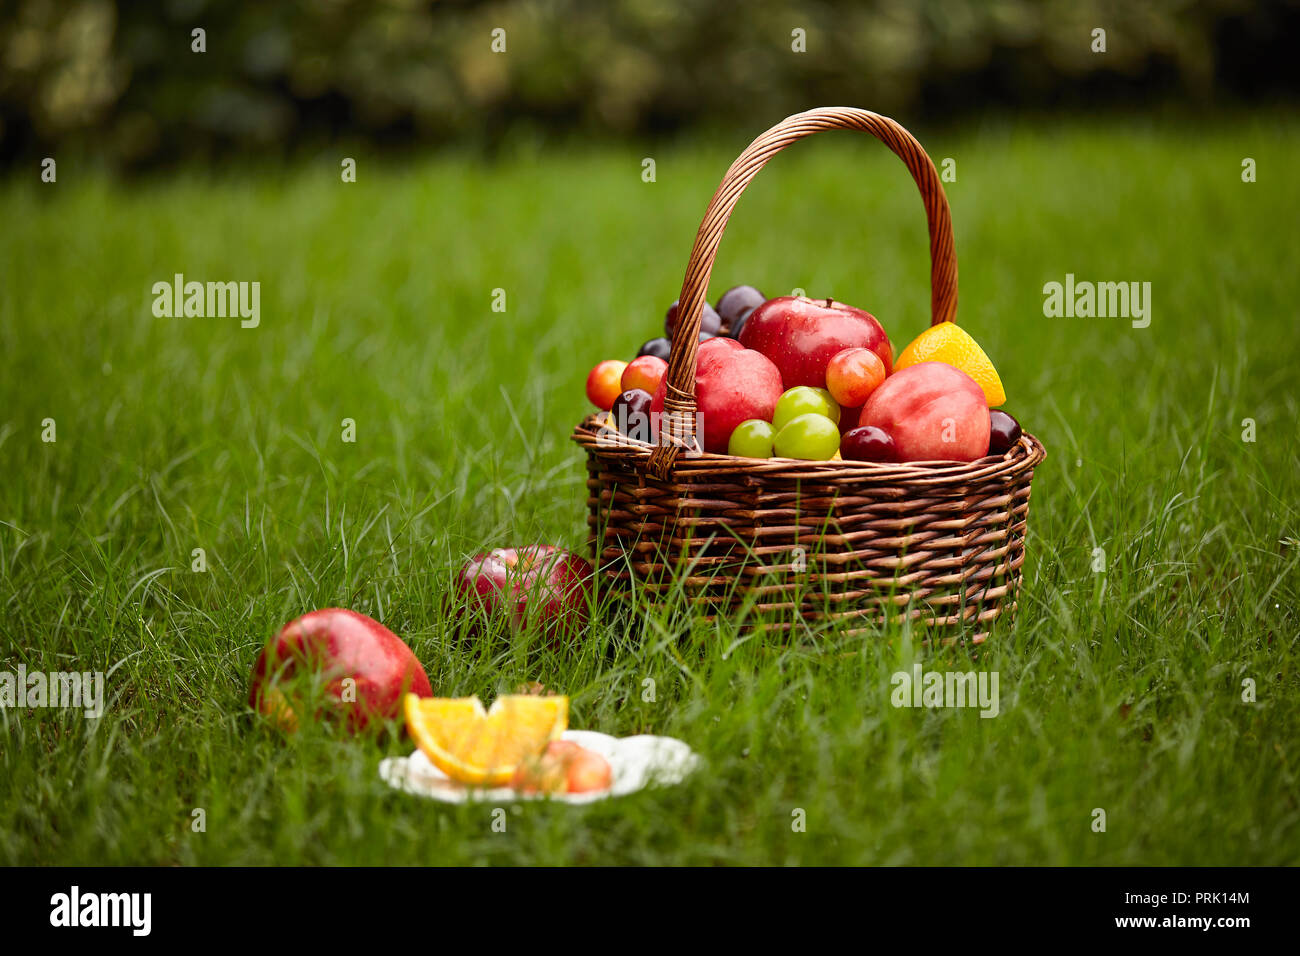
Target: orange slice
953, 345
478, 746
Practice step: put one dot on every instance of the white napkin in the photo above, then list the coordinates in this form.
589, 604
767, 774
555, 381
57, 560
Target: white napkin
635, 762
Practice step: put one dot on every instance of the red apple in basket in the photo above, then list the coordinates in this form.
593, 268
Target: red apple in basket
362, 667
933, 411
539, 584
732, 384
802, 335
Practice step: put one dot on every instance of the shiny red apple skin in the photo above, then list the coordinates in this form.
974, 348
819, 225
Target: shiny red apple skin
802, 335
339, 644
732, 384
933, 411
539, 583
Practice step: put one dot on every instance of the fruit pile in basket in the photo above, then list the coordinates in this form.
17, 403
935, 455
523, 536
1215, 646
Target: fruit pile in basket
815, 379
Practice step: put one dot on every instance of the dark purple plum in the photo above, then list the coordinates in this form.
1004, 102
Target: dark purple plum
868, 443
659, 348
631, 414
705, 336
710, 321
736, 304
1004, 432
738, 324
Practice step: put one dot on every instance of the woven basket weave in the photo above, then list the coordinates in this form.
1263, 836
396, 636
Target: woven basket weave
793, 543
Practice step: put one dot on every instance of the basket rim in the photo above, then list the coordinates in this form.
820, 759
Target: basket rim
680, 377
1025, 455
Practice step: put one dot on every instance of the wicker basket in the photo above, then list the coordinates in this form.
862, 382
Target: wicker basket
793, 543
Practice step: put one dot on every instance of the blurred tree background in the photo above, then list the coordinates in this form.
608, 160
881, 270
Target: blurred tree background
119, 79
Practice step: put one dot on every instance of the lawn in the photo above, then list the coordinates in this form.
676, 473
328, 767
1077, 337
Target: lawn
1121, 689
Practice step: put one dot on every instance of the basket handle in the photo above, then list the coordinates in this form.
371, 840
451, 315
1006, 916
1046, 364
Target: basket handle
677, 424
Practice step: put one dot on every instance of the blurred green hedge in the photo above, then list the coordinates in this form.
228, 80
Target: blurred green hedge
120, 79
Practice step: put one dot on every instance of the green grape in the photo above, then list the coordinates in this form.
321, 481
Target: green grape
752, 439
812, 437
804, 400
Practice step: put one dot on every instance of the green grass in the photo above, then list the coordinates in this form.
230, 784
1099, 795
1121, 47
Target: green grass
1120, 691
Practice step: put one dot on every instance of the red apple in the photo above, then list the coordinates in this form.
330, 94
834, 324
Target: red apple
539, 584
335, 646
732, 384
933, 411
802, 335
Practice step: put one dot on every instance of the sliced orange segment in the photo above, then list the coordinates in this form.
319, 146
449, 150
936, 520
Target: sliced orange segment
951, 344
478, 746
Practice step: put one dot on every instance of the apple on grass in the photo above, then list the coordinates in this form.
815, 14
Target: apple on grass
362, 669
802, 335
933, 412
732, 384
538, 584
